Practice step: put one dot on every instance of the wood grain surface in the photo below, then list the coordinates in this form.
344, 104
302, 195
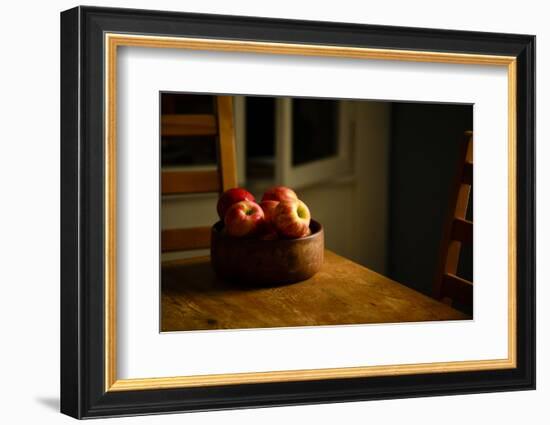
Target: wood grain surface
343, 292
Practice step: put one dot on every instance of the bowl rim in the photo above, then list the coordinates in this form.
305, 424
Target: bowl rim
320, 231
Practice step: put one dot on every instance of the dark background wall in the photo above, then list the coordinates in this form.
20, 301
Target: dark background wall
423, 157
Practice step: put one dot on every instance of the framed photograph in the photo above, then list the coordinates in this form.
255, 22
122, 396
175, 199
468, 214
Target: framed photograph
261, 212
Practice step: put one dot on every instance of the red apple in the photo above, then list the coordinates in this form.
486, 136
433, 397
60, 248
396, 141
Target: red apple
230, 197
268, 231
269, 235
244, 218
292, 219
279, 193
269, 209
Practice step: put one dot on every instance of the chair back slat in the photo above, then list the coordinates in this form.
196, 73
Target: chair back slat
457, 231
179, 182
457, 289
463, 231
188, 125
185, 239
220, 124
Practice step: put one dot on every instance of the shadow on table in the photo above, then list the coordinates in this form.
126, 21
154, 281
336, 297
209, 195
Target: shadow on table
197, 276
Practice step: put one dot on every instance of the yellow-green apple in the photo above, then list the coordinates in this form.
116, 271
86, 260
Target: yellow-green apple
230, 197
291, 219
279, 193
245, 218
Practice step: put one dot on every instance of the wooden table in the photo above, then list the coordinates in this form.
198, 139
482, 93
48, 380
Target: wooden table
343, 292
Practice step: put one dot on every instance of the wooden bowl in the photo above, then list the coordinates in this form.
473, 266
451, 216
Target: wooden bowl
267, 262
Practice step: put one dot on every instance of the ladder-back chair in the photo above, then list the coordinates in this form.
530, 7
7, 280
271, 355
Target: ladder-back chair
457, 232
220, 125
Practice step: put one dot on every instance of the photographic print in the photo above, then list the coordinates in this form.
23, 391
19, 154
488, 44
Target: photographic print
261, 212
281, 212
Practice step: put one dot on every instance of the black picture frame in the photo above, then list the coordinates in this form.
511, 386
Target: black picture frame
83, 392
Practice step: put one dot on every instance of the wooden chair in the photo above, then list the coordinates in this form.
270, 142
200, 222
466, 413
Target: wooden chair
219, 124
457, 231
